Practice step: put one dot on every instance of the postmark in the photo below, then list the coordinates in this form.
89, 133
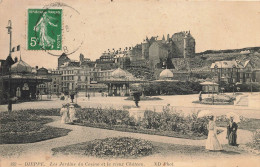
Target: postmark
44, 29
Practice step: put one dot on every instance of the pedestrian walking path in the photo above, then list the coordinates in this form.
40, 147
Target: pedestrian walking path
82, 134
182, 103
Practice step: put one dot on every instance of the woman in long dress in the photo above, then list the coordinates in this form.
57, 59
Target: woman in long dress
72, 113
64, 115
232, 132
212, 142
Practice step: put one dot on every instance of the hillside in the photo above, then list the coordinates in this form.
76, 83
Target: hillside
204, 61
251, 49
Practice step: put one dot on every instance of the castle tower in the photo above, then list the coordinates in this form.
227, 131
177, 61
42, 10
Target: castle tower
163, 38
145, 50
185, 45
81, 57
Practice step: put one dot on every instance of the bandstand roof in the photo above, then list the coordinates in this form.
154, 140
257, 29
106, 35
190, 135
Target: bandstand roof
122, 76
166, 74
21, 67
119, 73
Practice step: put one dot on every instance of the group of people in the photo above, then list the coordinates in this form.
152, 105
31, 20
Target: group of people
212, 142
68, 115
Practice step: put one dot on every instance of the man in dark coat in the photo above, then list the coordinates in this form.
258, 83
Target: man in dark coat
232, 132
136, 98
72, 97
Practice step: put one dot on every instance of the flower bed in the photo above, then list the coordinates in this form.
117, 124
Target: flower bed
165, 123
256, 141
220, 99
26, 126
119, 147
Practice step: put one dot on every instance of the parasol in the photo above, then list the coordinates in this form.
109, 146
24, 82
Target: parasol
205, 113
236, 117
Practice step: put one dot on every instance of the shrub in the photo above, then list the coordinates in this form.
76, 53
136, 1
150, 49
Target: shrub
108, 116
62, 98
255, 144
163, 122
120, 147
171, 88
173, 121
245, 87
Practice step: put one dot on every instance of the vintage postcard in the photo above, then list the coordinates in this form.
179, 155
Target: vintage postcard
129, 83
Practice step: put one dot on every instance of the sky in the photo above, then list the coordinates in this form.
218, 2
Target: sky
96, 26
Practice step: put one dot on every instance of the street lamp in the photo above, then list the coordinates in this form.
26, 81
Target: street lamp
9, 28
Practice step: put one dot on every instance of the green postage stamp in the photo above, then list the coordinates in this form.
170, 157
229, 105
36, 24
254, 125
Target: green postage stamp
44, 31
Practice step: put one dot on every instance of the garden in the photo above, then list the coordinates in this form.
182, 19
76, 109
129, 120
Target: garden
165, 123
113, 147
218, 99
27, 126
171, 88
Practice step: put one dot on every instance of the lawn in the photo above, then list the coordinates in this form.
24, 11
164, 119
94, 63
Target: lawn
26, 126
161, 149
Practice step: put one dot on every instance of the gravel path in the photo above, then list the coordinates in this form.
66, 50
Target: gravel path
181, 103
82, 134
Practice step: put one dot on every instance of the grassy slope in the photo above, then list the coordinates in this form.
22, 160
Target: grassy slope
204, 61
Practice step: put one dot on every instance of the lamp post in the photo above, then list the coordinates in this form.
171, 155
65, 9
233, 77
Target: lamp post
233, 88
212, 94
251, 87
9, 28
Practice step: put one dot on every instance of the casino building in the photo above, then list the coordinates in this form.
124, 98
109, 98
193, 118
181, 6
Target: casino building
18, 82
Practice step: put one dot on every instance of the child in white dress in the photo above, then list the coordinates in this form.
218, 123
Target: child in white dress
64, 115
72, 113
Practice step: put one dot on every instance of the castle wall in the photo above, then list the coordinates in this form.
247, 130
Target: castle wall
154, 55
181, 63
145, 50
